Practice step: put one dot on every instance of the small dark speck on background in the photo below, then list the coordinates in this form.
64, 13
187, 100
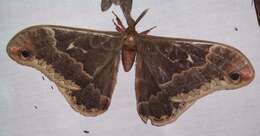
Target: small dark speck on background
35, 107
43, 78
85, 131
51, 87
236, 29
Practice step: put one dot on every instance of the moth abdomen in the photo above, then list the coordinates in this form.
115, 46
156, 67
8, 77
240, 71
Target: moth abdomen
128, 58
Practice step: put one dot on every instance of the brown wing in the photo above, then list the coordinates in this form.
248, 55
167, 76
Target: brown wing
82, 63
152, 102
171, 74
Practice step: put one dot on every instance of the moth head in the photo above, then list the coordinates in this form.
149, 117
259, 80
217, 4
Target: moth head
237, 69
24, 47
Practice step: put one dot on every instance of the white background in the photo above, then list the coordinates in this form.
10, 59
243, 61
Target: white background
225, 113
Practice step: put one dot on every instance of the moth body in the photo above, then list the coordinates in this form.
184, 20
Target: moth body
129, 49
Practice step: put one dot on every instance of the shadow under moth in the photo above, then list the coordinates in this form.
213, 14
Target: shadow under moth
171, 73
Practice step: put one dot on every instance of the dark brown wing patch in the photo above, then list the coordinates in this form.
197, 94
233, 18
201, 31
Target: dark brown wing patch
99, 56
95, 97
168, 57
152, 102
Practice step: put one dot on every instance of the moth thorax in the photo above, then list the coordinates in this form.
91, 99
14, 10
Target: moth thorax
130, 42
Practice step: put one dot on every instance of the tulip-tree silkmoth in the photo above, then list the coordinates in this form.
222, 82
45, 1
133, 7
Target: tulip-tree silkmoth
171, 73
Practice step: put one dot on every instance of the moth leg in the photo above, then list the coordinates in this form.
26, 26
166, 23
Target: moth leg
118, 28
119, 25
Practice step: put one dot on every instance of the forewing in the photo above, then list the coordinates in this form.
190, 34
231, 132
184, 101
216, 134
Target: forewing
171, 74
83, 63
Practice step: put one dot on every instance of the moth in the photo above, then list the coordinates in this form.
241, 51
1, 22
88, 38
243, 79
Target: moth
257, 9
171, 73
